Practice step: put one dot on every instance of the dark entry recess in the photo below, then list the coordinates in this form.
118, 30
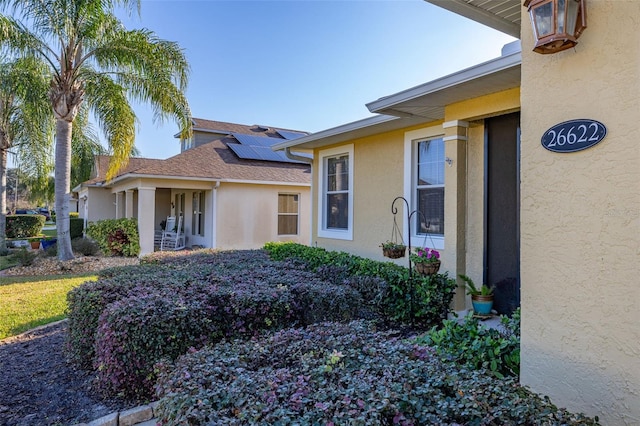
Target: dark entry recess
502, 210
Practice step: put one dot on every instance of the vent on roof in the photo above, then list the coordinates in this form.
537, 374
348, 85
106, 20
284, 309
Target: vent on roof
259, 128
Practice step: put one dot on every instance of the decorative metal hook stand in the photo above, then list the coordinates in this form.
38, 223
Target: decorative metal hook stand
410, 214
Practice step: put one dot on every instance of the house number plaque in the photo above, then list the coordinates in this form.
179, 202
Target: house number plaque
573, 135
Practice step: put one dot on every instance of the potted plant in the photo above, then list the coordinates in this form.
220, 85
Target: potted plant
481, 298
48, 242
426, 260
35, 243
393, 250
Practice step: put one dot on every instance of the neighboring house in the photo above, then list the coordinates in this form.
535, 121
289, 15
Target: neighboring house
557, 232
231, 189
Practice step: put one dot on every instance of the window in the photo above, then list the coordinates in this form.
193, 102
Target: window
336, 194
288, 214
197, 219
429, 187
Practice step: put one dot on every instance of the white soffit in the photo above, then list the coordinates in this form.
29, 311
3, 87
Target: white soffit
501, 15
429, 99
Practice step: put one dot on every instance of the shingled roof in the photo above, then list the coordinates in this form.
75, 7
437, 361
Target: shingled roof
200, 124
212, 161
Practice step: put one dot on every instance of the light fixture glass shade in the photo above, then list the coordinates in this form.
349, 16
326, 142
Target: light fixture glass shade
557, 24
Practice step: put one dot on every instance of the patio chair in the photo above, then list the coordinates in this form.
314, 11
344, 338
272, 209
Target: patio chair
170, 223
172, 240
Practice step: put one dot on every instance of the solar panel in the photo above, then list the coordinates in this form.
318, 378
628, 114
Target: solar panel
256, 140
262, 153
290, 135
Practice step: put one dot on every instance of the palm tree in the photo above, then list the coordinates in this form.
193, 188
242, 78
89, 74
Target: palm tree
26, 123
94, 59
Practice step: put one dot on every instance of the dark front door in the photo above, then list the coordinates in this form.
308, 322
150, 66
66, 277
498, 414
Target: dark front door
502, 210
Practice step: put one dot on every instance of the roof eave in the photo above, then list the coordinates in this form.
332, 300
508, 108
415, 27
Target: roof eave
480, 15
355, 129
384, 105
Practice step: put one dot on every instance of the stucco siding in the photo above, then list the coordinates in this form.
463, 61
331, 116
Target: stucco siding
378, 165
580, 221
247, 215
101, 204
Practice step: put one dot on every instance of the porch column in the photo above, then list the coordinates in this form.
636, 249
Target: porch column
119, 205
455, 140
146, 218
128, 204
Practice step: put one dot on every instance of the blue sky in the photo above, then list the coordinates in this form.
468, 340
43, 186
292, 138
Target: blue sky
305, 65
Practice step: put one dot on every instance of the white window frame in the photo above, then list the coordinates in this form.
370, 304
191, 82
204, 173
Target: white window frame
411, 140
323, 231
296, 214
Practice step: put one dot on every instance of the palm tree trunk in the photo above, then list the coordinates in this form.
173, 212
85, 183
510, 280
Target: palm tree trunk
63, 187
3, 199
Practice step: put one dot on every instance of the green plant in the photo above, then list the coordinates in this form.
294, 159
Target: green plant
85, 246
392, 245
51, 251
116, 237
76, 227
34, 239
423, 300
341, 374
472, 290
25, 257
134, 316
24, 225
468, 342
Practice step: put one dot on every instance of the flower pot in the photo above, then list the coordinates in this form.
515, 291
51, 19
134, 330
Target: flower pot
35, 245
394, 252
482, 304
48, 243
428, 268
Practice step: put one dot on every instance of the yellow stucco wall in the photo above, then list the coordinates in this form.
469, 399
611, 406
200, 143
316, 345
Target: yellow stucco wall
379, 168
247, 215
580, 220
378, 179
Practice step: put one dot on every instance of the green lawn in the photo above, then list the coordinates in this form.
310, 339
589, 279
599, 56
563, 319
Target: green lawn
27, 302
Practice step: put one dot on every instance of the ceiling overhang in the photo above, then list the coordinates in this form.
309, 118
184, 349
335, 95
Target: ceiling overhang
501, 15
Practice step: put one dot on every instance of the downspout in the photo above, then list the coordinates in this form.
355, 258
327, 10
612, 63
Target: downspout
214, 216
290, 155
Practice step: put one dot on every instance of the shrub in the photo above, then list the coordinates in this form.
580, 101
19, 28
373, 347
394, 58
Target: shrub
134, 316
128, 347
51, 251
24, 225
340, 374
76, 227
85, 304
73, 215
116, 237
476, 346
423, 300
25, 257
85, 246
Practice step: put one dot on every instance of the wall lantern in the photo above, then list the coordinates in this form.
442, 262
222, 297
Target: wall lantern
557, 24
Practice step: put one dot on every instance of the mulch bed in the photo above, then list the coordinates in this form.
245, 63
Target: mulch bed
39, 387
